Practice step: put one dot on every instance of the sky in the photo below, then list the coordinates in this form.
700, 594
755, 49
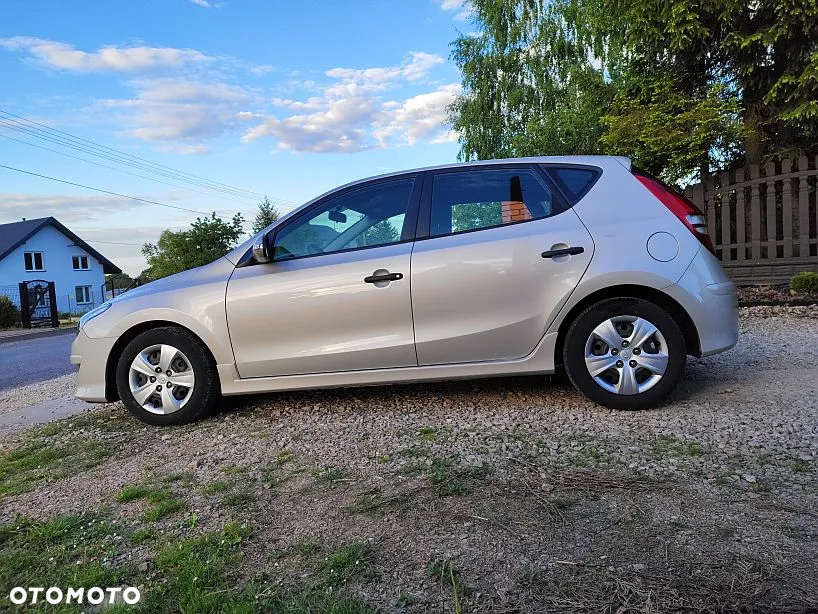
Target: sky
214, 103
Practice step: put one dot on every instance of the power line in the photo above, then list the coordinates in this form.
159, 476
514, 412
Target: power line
104, 151
88, 187
60, 141
113, 242
62, 153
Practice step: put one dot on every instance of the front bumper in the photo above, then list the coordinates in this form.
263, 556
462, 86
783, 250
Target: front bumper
91, 355
710, 300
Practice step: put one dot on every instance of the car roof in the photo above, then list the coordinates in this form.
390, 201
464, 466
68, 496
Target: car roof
592, 160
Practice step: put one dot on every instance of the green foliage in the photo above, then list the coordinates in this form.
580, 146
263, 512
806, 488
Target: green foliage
805, 282
381, 233
132, 493
65, 550
349, 561
681, 86
267, 214
9, 313
207, 240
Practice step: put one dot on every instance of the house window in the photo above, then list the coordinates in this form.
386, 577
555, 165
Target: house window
83, 294
34, 261
80, 263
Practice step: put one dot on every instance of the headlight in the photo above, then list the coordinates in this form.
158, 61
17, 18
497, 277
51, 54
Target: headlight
90, 315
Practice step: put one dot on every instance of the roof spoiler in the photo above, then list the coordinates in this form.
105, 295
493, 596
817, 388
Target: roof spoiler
624, 161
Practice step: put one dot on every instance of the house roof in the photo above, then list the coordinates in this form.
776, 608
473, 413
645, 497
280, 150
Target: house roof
15, 234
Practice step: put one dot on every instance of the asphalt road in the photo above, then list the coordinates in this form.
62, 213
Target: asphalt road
34, 360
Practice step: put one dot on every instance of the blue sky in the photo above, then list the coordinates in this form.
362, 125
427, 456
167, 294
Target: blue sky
282, 98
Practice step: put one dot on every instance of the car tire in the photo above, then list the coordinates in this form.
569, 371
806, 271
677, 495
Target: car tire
643, 368
184, 392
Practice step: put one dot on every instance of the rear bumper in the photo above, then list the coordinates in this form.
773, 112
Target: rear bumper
710, 300
91, 355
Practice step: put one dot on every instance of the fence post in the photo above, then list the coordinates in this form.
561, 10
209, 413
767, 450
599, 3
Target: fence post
803, 208
52, 297
755, 212
769, 197
786, 206
25, 314
741, 217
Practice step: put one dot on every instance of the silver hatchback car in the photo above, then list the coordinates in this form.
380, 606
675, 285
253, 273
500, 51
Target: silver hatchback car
502, 267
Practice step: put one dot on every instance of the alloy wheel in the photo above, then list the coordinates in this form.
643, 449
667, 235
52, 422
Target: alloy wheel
626, 355
161, 379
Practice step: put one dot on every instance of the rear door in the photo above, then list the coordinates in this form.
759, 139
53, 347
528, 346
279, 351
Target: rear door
501, 254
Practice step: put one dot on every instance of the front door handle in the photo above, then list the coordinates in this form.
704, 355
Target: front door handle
565, 251
373, 279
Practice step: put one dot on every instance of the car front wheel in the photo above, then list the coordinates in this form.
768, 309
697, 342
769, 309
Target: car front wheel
625, 353
166, 376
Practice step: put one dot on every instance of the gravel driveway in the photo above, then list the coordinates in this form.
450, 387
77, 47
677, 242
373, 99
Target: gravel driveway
512, 495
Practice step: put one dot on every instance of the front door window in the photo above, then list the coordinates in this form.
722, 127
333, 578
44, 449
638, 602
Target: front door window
364, 217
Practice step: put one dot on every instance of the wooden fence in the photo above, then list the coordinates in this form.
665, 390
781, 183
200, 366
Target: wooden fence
763, 219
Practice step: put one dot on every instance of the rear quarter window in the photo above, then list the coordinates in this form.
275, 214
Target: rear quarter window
573, 181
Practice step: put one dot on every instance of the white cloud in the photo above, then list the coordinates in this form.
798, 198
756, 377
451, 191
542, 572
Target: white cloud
208, 5
67, 209
419, 118
350, 114
262, 70
462, 8
106, 59
181, 114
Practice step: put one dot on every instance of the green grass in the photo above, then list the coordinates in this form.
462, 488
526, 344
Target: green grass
195, 575
428, 433
328, 474
444, 572
141, 536
307, 546
68, 550
350, 561
449, 479
132, 493
238, 499
799, 465
668, 446
39, 460
213, 488
163, 504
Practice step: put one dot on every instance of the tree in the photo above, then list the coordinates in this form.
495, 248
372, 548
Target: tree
205, 241
267, 214
681, 86
528, 85
381, 233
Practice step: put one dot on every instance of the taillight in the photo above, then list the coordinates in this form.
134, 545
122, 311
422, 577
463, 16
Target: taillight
680, 206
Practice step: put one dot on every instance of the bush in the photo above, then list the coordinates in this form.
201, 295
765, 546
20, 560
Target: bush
806, 282
9, 313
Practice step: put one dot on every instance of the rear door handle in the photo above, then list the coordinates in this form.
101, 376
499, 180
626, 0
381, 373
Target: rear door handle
565, 251
383, 277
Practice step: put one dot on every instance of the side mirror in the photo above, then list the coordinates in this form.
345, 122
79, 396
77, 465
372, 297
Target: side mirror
261, 249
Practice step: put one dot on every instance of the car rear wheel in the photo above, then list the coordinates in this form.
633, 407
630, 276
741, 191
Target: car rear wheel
625, 353
166, 376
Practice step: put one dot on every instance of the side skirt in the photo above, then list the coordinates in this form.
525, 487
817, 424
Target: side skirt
541, 360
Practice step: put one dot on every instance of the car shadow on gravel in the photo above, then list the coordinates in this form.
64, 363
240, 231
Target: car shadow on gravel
550, 385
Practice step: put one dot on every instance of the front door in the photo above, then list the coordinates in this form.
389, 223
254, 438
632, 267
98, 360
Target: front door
482, 288
336, 297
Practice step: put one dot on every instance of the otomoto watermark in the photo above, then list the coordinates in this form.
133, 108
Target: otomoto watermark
55, 595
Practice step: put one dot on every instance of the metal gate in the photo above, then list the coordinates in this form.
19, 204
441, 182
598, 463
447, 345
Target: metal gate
38, 304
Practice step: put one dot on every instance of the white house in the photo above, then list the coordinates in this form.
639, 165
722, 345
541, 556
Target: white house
45, 249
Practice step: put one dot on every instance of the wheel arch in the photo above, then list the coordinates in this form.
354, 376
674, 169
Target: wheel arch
125, 338
657, 297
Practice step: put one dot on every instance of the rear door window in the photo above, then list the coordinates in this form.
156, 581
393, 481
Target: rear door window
472, 200
574, 182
